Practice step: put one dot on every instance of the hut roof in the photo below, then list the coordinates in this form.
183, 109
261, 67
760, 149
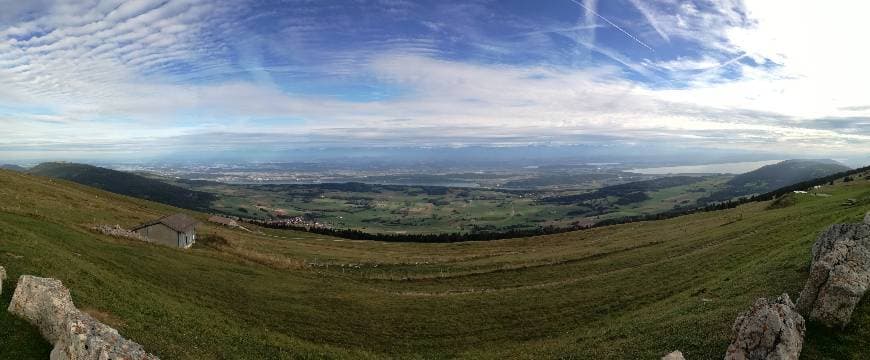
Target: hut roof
178, 222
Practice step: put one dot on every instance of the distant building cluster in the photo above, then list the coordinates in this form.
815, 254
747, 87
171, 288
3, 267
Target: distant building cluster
290, 222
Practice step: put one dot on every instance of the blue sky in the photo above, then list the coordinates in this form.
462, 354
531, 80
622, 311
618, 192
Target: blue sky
149, 77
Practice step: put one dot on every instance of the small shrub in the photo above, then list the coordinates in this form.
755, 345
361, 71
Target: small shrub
782, 202
212, 240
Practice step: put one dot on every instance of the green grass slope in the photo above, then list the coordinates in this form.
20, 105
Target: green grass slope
12, 167
120, 182
630, 291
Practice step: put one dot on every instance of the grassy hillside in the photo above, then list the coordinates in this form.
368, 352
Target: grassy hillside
775, 176
12, 167
629, 291
126, 183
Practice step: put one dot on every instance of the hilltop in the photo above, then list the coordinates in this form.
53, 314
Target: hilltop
629, 291
125, 183
785, 173
775, 176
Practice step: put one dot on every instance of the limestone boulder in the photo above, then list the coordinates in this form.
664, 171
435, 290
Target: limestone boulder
118, 231
839, 275
43, 302
88, 339
770, 330
47, 304
676, 355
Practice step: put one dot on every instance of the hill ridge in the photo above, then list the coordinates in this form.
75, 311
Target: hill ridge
125, 183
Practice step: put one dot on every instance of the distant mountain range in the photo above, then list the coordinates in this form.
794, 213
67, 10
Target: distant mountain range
126, 183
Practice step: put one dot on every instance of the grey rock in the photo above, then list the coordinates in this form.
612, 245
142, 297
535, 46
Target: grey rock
44, 303
118, 231
47, 304
676, 355
867, 218
839, 276
770, 330
89, 339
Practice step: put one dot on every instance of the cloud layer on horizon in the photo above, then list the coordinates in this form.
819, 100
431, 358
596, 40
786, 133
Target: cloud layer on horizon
134, 75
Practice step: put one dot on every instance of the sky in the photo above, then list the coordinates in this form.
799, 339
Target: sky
132, 79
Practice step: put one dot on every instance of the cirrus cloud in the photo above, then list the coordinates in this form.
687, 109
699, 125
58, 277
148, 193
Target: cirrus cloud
723, 74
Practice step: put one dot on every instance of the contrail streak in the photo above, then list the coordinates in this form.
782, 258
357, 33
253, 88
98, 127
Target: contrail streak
650, 18
614, 25
559, 30
724, 64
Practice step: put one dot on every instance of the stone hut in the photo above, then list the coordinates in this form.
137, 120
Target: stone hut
176, 230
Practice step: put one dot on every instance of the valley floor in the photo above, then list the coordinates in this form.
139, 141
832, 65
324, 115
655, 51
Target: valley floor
630, 291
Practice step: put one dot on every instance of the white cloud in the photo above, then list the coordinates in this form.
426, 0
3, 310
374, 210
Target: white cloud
651, 17
817, 66
103, 74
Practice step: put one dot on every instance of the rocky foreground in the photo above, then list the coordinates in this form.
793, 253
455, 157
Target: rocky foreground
839, 278
839, 275
47, 304
769, 330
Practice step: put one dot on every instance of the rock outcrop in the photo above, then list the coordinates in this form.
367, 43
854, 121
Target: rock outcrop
47, 304
88, 339
770, 330
839, 276
225, 221
676, 355
118, 231
43, 302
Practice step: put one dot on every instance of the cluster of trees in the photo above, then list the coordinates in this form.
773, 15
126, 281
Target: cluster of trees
423, 238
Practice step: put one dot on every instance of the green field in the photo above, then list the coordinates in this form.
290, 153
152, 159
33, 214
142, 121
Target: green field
621, 292
419, 209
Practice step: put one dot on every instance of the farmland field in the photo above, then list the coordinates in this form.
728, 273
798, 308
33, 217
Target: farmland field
628, 291
428, 209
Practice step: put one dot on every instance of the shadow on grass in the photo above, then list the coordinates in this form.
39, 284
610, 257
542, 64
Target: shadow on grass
852, 342
18, 339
